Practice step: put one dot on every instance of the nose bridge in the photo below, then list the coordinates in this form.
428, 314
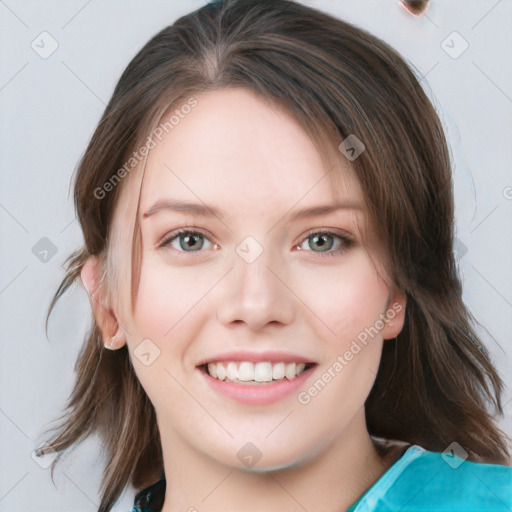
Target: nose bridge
255, 292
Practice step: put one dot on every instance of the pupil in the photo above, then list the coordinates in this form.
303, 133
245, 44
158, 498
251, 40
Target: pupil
189, 240
318, 240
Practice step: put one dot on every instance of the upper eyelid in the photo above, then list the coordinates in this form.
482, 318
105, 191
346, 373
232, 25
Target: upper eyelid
330, 231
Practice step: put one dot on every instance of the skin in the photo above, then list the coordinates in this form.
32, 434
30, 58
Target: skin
254, 162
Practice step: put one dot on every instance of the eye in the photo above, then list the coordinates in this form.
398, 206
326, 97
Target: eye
185, 240
325, 241
189, 241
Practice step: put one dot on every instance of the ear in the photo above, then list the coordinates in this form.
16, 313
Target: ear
394, 316
111, 332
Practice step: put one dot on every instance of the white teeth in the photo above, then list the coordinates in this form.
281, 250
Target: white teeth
278, 371
221, 372
263, 372
246, 371
290, 371
212, 369
232, 371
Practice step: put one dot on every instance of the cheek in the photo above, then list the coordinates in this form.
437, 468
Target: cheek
171, 306
341, 299
346, 298
168, 311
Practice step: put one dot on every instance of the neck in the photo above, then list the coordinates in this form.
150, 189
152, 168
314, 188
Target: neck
330, 481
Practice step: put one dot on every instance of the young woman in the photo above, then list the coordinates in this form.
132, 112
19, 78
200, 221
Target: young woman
278, 324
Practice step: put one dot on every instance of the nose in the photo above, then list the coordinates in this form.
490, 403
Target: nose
256, 293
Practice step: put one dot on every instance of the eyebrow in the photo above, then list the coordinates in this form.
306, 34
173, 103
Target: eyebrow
204, 210
198, 209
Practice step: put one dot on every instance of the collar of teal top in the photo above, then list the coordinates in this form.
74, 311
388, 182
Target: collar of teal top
419, 479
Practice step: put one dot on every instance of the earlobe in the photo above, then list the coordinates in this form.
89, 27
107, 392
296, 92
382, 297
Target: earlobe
117, 341
111, 332
394, 316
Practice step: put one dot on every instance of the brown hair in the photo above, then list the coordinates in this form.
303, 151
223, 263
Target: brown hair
436, 380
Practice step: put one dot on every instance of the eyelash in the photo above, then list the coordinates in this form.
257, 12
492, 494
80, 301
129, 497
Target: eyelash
346, 242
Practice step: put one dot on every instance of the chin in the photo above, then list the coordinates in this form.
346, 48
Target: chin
271, 460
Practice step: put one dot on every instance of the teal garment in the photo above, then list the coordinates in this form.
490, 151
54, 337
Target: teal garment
420, 481
438, 482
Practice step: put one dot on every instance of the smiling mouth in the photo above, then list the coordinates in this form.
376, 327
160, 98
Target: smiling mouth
246, 372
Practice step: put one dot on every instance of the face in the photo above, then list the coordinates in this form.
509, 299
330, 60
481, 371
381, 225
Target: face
260, 323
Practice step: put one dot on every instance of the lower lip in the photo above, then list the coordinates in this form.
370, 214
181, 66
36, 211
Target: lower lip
258, 394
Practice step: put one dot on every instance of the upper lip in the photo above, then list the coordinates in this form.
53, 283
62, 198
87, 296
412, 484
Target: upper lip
257, 357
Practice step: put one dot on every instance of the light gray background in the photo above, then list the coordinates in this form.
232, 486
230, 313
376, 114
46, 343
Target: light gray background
50, 108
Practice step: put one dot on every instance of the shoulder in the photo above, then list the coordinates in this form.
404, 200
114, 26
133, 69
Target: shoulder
422, 480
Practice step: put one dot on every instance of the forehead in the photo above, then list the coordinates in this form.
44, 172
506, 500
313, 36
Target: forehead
236, 151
